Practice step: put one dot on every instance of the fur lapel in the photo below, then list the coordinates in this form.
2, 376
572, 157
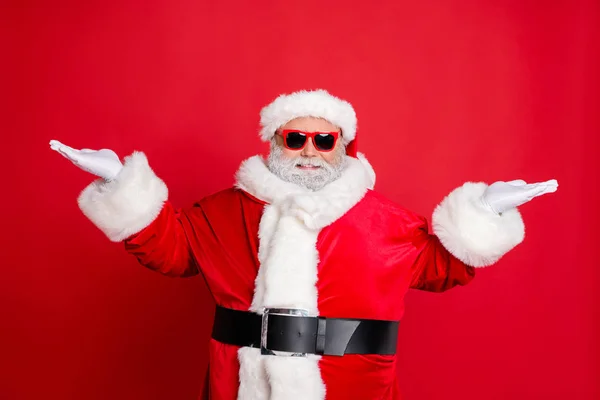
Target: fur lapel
288, 231
316, 209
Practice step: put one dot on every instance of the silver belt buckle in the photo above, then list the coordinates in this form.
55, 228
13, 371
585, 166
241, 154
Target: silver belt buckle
291, 312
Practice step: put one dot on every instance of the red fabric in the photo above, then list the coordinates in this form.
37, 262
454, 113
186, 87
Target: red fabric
369, 258
352, 147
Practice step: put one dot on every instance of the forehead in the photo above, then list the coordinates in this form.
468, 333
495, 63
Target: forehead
311, 124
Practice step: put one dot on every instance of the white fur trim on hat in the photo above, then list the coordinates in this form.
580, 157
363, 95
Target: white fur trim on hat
316, 103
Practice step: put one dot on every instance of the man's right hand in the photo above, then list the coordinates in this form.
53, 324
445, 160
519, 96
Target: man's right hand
104, 163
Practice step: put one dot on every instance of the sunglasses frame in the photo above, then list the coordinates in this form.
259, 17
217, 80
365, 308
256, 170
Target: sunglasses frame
309, 135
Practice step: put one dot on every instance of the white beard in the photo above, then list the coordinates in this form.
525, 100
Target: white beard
286, 168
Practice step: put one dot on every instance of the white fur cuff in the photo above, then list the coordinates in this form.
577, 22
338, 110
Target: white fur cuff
128, 203
476, 236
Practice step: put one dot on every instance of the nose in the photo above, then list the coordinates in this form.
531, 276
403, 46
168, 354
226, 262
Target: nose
309, 150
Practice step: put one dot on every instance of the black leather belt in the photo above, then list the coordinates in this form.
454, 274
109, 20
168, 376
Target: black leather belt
288, 330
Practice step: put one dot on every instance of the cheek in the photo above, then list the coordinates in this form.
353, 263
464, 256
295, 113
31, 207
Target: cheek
333, 155
329, 156
287, 153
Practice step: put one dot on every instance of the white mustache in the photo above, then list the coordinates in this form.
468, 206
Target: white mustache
313, 162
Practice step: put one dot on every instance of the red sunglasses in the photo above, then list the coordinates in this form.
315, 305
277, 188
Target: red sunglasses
294, 139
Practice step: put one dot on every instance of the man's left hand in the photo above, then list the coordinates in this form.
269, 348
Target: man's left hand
502, 196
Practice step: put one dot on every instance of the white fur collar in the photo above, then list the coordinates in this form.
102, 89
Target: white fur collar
316, 209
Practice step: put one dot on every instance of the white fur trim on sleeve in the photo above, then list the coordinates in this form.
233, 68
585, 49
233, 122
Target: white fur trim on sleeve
128, 203
473, 234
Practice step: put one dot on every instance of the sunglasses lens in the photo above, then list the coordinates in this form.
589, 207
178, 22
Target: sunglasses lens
295, 140
324, 141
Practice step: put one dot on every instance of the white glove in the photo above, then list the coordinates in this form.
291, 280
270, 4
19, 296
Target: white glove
104, 163
502, 196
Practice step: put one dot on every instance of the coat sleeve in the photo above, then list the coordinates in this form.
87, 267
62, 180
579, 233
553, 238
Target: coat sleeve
466, 236
133, 209
435, 268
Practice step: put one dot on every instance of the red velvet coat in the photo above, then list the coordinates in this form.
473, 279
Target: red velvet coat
368, 252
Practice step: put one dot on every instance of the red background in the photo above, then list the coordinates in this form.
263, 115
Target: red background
445, 91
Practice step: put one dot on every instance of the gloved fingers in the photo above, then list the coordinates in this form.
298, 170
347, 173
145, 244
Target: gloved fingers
58, 147
69, 152
61, 152
550, 189
551, 182
550, 186
55, 144
58, 150
538, 189
87, 151
517, 182
70, 149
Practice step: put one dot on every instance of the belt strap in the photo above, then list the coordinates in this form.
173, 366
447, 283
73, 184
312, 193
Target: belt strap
300, 334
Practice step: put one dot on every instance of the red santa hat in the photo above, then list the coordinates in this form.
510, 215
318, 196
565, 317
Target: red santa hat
314, 103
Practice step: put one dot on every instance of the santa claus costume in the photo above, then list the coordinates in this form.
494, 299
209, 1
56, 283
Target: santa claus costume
343, 251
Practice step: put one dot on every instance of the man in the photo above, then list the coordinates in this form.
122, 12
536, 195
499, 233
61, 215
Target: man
302, 234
